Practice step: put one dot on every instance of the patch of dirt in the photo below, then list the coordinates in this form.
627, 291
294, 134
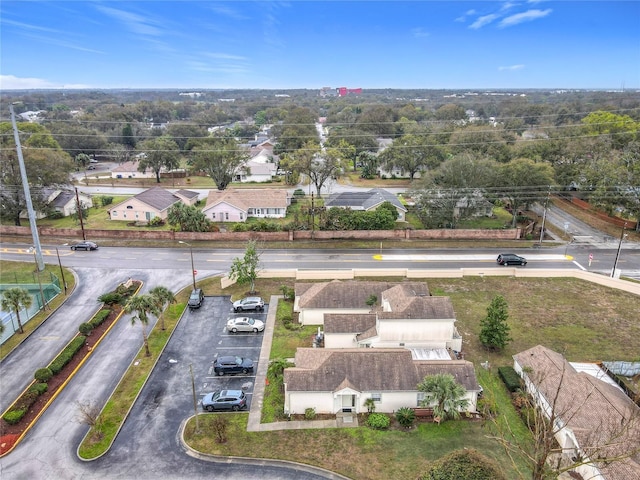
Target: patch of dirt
9, 434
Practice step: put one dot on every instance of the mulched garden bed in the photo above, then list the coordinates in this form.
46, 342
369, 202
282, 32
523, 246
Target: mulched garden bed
9, 434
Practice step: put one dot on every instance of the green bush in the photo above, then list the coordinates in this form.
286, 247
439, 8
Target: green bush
406, 416
465, 464
14, 416
378, 421
288, 292
309, 413
156, 222
85, 328
38, 388
104, 201
43, 374
298, 192
111, 298
67, 354
99, 317
239, 227
510, 378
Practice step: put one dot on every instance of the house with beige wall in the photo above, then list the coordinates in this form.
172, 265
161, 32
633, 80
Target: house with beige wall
152, 203
236, 205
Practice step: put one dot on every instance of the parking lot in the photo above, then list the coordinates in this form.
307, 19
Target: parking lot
214, 312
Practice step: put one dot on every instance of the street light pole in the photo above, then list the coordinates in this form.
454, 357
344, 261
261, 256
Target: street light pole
64, 282
44, 302
193, 270
615, 263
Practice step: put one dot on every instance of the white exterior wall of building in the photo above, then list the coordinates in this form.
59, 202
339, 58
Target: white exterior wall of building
134, 210
418, 333
297, 402
340, 340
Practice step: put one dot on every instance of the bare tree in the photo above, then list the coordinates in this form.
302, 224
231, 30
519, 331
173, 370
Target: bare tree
577, 423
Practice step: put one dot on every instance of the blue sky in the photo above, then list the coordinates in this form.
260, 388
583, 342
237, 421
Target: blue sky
307, 44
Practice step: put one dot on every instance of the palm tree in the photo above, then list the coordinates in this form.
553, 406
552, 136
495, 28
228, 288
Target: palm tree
16, 299
162, 296
143, 305
447, 395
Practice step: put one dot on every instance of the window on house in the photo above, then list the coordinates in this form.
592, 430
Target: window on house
241, 216
213, 216
420, 398
129, 207
226, 215
376, 397
114, 214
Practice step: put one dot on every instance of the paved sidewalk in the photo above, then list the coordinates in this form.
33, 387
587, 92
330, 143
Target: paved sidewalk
255, 413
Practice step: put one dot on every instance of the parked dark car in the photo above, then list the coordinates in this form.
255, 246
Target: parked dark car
510, 259
196, 298
225, 400
85, 245
248, 303
232, 364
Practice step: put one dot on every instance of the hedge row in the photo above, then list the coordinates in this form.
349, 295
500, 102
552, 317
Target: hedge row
43, 375
510, 378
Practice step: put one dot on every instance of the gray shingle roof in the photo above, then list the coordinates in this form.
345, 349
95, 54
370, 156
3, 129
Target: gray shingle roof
348, 323
157, 198
349, 294
382, 370
368, 200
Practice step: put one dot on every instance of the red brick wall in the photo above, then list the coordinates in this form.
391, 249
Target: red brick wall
72, 234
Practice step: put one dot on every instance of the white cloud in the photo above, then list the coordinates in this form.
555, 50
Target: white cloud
419, 33
527, 16
136, 23
511, 67
463, 17
482, 21
11, 82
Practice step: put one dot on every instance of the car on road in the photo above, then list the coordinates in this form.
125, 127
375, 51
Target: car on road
84, 245
511, 259
196, 298
248, 303
245, 324
225, 400
232, 364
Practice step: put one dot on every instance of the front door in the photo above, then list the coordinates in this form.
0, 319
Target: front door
348, 403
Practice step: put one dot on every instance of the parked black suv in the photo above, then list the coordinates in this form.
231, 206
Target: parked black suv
196, 298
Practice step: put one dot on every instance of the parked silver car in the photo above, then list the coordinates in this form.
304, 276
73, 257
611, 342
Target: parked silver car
245, 324
248, 303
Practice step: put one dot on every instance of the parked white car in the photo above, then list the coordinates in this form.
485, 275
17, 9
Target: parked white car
245, 324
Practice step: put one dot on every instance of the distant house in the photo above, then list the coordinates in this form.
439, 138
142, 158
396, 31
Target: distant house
367, 201
261, 166
152, 203
236, 205
130, 170
593, 416
341, 380
65, 202
405, 315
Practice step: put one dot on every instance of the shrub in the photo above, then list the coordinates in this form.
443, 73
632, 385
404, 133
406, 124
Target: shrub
14, 416
378, 421
309, 413
111, 298
406, 416
298, 192
468, 464
104, 201
510, 378
372, 300
85, 328
67, 354
239, 227
288, 293
99, 317
38, 388
156, 222
43, 374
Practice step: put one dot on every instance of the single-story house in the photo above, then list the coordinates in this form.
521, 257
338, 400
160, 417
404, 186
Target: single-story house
153, 202
367, 201
130, 170
236, 205
313, 300
254, 171
65, 201
341, 380
595, 421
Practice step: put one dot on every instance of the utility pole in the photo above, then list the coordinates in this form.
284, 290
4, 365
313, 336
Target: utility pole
544, 215
615, 263
27, 195
79, 209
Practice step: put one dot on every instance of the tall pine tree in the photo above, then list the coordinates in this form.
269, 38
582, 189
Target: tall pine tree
494, 334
